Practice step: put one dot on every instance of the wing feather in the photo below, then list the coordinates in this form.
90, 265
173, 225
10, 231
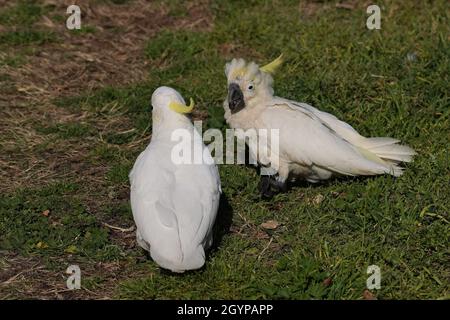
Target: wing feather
307, 139
174, 206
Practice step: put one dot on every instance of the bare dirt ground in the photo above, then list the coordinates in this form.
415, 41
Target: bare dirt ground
112, 55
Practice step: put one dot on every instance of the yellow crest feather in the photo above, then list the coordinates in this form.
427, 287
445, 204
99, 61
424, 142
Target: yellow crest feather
181, 108
273, 66
239, 72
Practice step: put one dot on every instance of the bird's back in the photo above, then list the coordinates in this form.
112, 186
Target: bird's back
174, 206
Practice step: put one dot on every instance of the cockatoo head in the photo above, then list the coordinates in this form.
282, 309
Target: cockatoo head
168, 103
247, 83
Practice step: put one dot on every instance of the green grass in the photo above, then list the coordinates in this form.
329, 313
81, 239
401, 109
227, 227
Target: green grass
21, 18
26, 37
12, 60
67, 130
68, 220
84, 30
334, 63
25, 13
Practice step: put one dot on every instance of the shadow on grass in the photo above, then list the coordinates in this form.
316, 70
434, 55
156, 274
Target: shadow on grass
223, 223
301, 183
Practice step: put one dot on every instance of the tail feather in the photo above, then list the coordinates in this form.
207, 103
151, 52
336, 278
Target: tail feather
378, 142
384, 151
387, 151
390, 150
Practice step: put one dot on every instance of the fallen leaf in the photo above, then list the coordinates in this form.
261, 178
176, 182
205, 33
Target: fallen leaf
367, 295
318, 199
261, 235
45, 213
41, 245
71, 249
270, 225
327, 282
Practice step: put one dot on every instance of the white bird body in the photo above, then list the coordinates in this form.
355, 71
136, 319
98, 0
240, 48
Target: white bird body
313, 144
174, 205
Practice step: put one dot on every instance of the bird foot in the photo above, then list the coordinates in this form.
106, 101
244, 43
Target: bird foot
269, 187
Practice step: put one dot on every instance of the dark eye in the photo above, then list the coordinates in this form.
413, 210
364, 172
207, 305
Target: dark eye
250, 87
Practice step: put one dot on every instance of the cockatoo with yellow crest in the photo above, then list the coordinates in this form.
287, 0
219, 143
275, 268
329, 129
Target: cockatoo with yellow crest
174, 204
312, 144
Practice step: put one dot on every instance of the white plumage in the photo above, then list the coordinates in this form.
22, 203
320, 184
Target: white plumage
312, 144
174, 205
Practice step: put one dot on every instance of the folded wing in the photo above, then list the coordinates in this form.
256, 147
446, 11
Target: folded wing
313, 138
174, 207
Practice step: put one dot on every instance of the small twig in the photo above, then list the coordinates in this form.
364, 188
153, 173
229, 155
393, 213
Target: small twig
265, 248
349, 6
20, 273
130, 229
57, 291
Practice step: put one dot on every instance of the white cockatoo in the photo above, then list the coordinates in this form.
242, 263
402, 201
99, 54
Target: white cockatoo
312, 144
174, 204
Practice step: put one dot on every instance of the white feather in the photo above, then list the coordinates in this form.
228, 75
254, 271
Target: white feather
174, 205
388, 149
308, 141
313, 144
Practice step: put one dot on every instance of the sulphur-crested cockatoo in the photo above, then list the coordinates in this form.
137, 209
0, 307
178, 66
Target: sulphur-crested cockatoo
312, 144
174, 203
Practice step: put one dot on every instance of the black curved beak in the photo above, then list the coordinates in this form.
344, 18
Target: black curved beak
235, 98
